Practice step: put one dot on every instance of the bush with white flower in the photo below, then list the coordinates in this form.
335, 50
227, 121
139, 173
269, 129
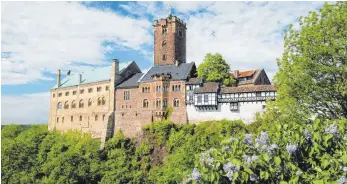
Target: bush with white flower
289, 153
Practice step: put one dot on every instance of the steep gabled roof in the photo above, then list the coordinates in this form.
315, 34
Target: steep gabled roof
193, 81
90, 76
208, 87
180, 72
131, 81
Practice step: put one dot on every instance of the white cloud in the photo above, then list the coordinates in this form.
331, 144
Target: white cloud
44, 36
248, 34
25, 109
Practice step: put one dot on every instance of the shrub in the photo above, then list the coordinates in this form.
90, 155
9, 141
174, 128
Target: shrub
296, 152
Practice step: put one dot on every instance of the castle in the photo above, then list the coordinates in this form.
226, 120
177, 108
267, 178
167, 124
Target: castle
103, 100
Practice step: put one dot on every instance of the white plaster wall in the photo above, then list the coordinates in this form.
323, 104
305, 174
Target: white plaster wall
246, 112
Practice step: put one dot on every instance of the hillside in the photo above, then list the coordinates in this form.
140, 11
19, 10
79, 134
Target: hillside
220, 151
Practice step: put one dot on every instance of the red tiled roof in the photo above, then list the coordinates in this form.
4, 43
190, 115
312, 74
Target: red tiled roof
240, 89
247, 73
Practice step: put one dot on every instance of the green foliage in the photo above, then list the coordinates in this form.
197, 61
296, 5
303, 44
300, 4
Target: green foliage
214, 68
319, 155
312, 71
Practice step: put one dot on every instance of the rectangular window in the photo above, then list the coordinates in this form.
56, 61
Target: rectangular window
90, 90
199, 99
107, 88
126, 95
53, 95
74, 92
98, 89
81, 91
206, 98
66, 93
59, 94
257, 94
234, 106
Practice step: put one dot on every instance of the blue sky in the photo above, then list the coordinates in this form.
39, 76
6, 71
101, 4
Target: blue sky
40, 37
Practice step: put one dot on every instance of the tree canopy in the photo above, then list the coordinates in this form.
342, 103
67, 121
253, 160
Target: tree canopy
215, 69
313, 69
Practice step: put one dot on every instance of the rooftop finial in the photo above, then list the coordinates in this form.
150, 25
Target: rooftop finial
170, 10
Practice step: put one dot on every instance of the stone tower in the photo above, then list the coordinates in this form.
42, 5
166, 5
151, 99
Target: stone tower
169, 41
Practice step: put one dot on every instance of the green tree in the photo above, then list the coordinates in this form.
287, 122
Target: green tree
215, 69
313, 69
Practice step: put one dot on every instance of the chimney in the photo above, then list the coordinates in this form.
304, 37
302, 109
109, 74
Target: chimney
177, 62
115, 65
58, 78
236, 73
79, 78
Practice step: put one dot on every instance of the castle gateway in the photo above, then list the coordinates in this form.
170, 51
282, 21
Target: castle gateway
103, 100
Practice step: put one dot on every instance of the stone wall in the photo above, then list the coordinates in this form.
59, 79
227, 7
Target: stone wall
93, 116
174, 38
131, 115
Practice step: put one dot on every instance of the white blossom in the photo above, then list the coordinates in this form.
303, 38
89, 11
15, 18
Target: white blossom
196, 175
248, 139
342, 180
205, 158
331, 129
291, 148
253, 177
298, 173
308, 135
263, 138
226, 147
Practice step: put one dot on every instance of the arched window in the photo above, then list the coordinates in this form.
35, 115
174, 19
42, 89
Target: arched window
81, 104
173, 88
158, 102
89, 102
165, 102
57, 119
164, 57
179, 87
71, 118
163, 44
66, 105
99, 101
59, 106
145, 103
103, 101
80, 118
73, 104
96, 117
176, 102
103, 117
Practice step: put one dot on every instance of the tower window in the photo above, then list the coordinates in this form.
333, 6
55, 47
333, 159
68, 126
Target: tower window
164, 31
164, 57
163, 44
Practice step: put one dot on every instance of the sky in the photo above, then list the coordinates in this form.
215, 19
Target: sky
37, 38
